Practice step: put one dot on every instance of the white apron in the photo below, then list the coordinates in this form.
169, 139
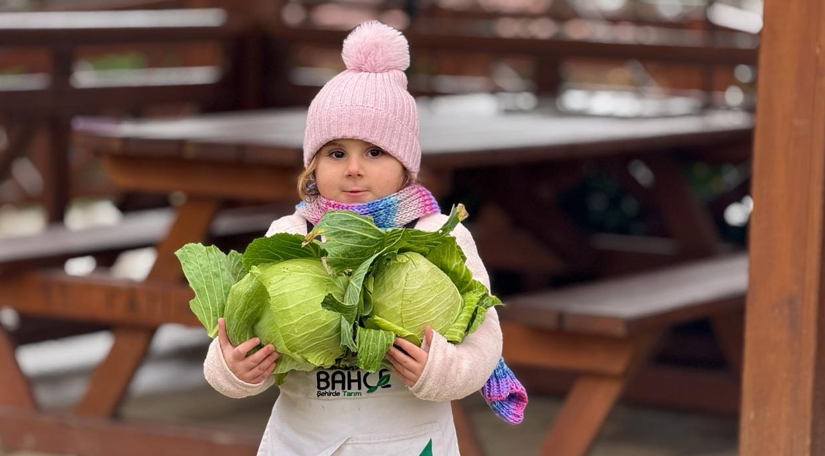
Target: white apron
344, 412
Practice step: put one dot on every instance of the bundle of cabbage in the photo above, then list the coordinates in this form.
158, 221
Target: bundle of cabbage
341, 301
400, 280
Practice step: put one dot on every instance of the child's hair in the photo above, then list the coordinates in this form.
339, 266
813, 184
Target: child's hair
308, 190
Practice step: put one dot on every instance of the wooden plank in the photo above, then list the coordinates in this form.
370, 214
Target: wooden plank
110, 5
98, 299
527, 346
63, 434
15, 391
57, 243
448, 141
95, 27
90, 100
612, 326
783, 407
620, 306
162, 175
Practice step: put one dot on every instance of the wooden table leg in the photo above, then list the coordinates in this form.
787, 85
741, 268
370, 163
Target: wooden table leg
467, 442
582, 415
688, 222
693, 227
111, 379
729, 330
590, 401
55, 171
15, 391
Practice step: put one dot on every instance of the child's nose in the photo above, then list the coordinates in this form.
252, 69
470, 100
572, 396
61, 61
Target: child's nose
354, 167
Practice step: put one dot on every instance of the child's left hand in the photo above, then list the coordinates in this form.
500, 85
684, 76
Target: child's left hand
410, 365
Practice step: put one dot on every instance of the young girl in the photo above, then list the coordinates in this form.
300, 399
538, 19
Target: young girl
361, 153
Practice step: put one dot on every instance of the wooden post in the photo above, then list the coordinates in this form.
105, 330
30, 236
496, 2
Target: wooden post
783, 408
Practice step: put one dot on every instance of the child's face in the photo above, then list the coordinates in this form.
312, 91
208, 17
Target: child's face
354, 171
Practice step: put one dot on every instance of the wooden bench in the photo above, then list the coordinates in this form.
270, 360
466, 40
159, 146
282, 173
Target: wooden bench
605, 331
57, 243
52, 247
32, 286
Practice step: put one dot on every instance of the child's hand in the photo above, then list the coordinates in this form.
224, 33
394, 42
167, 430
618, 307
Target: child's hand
410, 365
253, 368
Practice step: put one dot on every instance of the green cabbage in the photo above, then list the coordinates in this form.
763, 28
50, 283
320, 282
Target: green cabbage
306, 334
408, 293
276, 293
342, 301
401, 280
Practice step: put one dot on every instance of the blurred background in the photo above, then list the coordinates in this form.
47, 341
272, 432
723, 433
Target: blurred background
289, 71
602, 59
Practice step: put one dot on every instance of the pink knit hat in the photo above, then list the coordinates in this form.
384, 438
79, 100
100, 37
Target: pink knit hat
369, 100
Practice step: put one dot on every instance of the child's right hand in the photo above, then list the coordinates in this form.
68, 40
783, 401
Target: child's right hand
254, 368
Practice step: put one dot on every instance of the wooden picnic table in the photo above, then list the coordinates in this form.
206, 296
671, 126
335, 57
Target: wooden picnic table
255, 156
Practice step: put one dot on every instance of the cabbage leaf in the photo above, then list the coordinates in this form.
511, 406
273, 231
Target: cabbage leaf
210, 274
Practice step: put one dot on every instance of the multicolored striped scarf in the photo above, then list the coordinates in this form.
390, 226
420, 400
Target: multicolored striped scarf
502, 391
397, 209
505, 394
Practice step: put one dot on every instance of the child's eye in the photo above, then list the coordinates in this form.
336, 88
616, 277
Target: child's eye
375, 152
337, 154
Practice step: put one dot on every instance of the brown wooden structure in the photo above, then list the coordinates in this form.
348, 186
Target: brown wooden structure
50, 98
605, 332
783, 407
546, 55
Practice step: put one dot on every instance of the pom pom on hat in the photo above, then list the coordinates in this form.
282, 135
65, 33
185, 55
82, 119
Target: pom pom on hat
376, 48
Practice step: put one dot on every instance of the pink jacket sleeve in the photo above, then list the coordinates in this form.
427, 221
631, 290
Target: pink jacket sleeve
219, 376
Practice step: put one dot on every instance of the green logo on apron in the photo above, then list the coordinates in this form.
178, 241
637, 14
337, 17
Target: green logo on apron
385, 379
428, 450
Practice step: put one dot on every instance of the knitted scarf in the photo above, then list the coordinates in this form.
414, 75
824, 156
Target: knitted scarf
502, 391
395, 210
